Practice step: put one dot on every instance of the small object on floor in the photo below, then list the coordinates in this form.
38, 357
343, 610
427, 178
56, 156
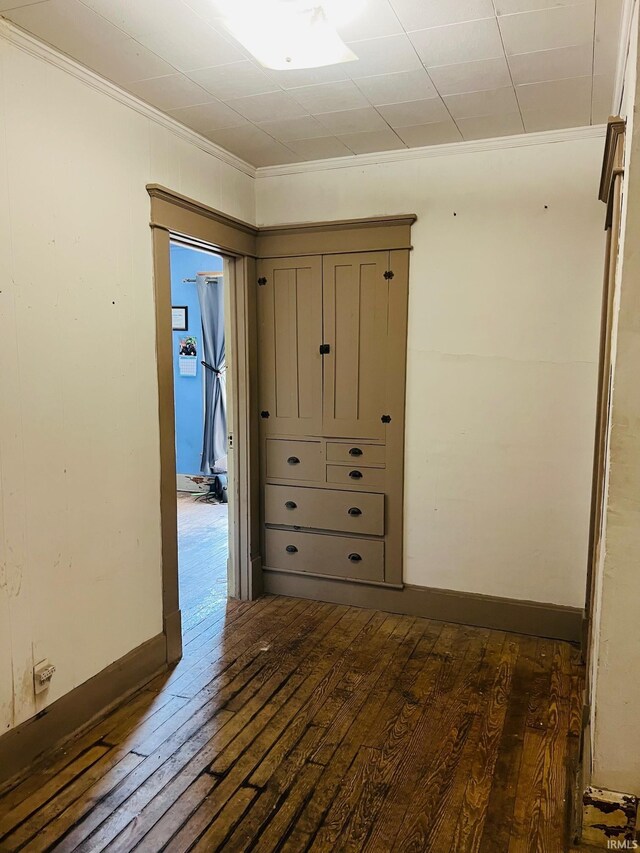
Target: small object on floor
217, 492
208, 497
220, 488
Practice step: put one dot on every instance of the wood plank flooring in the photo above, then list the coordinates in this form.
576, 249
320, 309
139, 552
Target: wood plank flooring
294, 725
203, 546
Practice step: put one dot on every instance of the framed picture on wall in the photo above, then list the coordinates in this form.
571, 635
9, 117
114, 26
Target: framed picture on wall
180, 318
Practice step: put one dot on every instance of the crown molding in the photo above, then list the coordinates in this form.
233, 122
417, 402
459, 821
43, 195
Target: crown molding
626, 18
28, 43
406, 154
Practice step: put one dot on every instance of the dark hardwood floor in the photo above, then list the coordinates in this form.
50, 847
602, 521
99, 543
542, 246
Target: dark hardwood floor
295, 725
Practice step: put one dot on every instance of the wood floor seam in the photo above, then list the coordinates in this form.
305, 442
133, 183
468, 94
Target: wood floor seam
319, 727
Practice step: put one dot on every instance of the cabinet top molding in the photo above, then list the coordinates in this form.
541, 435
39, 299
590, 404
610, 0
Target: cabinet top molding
340, 224
371, 234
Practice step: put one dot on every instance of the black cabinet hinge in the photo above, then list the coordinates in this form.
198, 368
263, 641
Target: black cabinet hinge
264, 414
262, 280
325, 349
388, 274
386, 419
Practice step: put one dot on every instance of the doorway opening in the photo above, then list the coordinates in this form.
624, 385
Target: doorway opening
200, 343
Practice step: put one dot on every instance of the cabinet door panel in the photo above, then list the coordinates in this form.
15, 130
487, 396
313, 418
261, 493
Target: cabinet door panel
355, 310
290, 333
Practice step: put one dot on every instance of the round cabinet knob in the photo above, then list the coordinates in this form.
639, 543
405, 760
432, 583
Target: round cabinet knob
355, 451
293, 460
355, 558
354, 510
291, 505
355, 475
291, 549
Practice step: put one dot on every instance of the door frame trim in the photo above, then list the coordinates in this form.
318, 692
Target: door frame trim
175, 215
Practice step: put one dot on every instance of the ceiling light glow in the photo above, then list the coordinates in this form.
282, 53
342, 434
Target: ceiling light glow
287, 34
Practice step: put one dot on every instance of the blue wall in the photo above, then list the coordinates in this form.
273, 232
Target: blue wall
185, 263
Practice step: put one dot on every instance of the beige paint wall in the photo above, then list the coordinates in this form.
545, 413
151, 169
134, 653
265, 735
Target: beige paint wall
505, 286
616, 690
80, 578
502, 349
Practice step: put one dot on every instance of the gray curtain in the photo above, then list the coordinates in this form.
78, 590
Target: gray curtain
214, 444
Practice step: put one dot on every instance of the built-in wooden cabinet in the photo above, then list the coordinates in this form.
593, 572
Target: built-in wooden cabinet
332, 354
290, 365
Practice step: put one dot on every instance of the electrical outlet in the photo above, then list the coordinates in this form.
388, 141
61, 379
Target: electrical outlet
42, 675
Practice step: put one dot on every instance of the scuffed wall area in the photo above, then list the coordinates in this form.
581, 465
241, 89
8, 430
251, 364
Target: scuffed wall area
80, 577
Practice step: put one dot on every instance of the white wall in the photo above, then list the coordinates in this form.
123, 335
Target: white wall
80, 579
505, 285
616, 652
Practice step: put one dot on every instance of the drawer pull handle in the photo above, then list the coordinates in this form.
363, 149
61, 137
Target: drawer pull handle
291, 549
355, 558
291, 505
354, 511
355, 475
293, 460
355, 451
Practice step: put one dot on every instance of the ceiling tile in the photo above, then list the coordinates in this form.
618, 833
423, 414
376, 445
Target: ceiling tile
411, 113
401, 86
488, 127
555, 119
320, 149
382, 56
211, 116
508, 7
8, 5
435, 13
267, 107
172, 30
234, 81
135, 19
187, 51
607, 36
491, 102
304, 127
438, 133
206, 9
293, 78
329, 97
602, 104
457, 43
376, 19
471, 76
170, 92
353, 121
549, 28
253, 145
79, 32
574, 93
368, 143
542, 65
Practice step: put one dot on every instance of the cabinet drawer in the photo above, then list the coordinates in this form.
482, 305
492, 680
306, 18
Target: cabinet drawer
322, 554
356, 453
364, 478
325, 509
294, 460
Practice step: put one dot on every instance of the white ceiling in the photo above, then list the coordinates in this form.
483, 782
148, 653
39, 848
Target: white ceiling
428, 71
